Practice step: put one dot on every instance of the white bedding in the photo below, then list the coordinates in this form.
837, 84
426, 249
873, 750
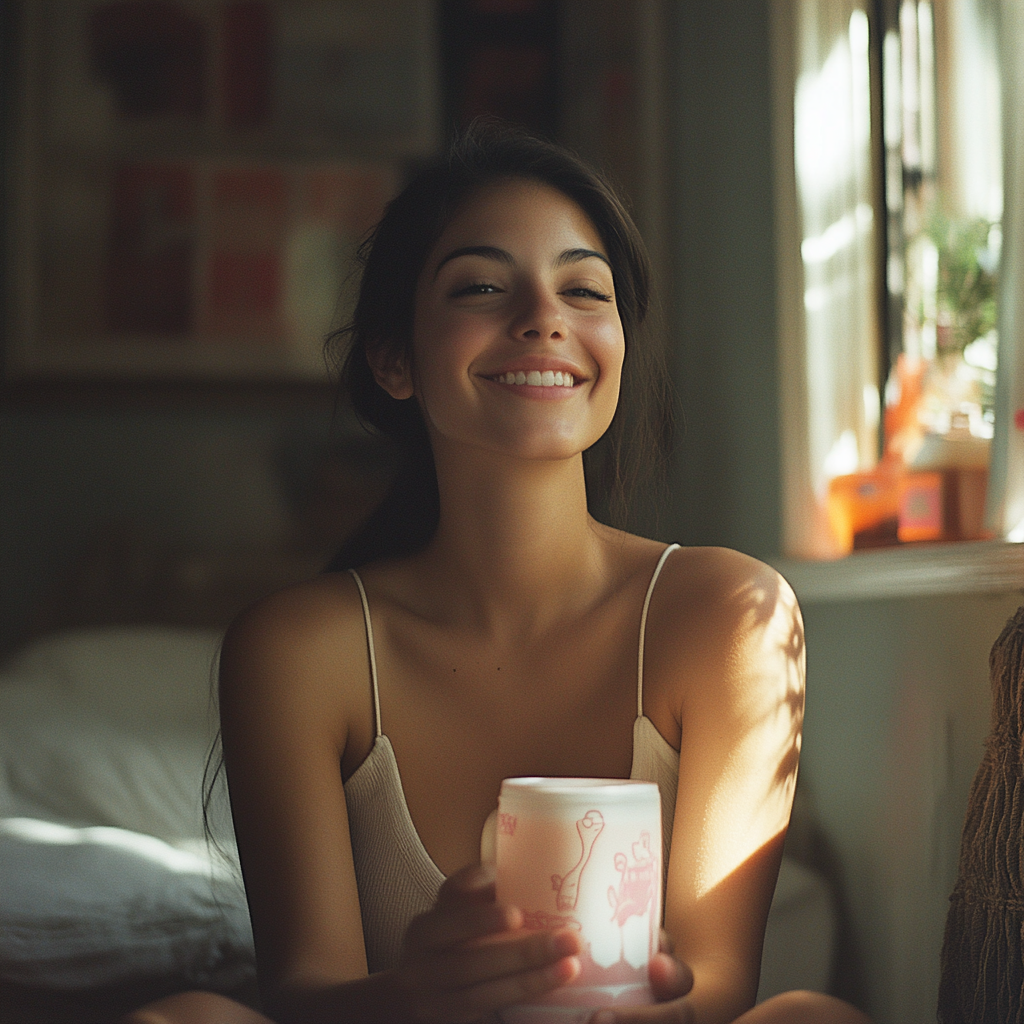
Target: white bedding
107, 874
107, 877
90, 907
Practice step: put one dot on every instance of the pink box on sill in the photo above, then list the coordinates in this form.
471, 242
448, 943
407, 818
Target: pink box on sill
920, 507
943, 505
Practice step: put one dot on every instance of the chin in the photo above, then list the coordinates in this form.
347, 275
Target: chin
543, 449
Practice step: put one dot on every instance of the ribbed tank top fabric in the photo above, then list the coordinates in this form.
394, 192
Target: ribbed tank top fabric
654, 760
395, 875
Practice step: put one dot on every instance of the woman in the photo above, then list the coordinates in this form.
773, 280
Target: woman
492, 629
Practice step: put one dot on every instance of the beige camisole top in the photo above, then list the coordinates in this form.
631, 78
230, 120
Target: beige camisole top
395, 875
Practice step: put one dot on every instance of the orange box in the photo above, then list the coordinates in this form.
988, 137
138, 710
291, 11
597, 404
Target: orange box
860, 504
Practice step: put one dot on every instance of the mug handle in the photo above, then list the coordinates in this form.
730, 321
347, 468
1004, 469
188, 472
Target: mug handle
489, 839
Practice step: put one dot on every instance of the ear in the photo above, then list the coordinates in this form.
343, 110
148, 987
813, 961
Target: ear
391, 371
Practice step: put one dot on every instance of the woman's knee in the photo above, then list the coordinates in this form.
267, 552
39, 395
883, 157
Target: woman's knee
195, 1008
804, 1008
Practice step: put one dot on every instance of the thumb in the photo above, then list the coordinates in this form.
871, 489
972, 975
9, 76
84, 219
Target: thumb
670, 978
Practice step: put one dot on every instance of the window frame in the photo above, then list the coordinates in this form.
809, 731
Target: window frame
809, 556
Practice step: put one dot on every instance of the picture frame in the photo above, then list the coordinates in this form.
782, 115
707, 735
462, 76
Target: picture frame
190, 180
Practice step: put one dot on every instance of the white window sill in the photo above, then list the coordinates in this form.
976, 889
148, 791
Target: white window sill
913, 571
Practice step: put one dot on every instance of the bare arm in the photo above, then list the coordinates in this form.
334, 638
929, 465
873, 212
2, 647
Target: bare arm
729, 674
287, 697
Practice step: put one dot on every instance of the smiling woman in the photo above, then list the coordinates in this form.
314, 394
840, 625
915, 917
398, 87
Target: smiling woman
488, 627
543, 302
628, 460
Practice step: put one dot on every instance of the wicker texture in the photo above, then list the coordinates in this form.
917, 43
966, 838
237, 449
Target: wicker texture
982, 977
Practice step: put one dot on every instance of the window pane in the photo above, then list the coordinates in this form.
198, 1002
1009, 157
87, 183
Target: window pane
944, 198
898, 168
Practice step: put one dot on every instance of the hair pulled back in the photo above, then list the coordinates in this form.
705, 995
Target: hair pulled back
391, 259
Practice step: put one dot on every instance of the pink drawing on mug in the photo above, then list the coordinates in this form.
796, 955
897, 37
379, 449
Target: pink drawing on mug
507, 824
567, 886
540, 919
636, 885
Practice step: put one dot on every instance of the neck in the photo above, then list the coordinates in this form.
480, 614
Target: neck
515, 546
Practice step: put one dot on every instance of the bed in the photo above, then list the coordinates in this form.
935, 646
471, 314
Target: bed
111, 893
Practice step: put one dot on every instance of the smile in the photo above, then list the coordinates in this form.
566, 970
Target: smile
537, 378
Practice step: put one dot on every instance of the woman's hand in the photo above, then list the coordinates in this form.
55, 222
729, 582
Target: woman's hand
470, 956
671, 981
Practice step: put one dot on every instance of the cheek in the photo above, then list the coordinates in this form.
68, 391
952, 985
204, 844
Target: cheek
441, 342
610, 348
441, 383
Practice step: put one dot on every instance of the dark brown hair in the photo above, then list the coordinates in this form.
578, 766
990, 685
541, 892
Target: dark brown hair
635, 446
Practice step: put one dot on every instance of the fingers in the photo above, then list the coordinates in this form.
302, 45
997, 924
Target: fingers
465, 910
458, 925
670, 978
677, 1012
671, 981
463, 967
470, 955
476, 1001
469, 980
473, 884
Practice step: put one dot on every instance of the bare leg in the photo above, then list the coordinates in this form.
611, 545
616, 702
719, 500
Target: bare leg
803, 1008
195, 1008
209, 1008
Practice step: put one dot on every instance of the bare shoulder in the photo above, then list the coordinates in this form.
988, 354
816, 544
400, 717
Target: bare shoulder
300, 650
720, 623
711, 585
298, 624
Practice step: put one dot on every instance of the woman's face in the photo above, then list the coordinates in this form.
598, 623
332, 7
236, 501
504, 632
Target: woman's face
517, 341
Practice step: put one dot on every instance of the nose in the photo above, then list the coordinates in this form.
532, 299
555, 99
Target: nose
539, 317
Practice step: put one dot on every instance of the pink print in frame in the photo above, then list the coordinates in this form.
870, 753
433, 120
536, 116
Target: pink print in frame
585, 854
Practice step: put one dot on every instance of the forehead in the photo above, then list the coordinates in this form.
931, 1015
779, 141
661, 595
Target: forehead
520, 212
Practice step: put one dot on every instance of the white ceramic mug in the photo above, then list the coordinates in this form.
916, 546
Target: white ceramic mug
584, 854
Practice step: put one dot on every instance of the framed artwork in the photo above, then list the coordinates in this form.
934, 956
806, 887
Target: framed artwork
190, 179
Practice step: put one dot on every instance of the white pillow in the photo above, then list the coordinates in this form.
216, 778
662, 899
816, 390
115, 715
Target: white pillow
61, 762
110, 727
82, 908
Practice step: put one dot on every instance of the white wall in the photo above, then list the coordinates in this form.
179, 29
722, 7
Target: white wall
897, 711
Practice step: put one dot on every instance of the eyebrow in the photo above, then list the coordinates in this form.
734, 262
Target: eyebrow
492, 252
575, 255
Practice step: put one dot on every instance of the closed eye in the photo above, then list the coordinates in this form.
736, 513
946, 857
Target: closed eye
478, 288
587, 293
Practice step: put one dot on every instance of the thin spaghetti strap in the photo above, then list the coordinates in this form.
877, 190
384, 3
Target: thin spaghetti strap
643, 629
369, 647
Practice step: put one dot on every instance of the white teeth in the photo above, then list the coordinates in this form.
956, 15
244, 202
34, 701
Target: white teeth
537, 378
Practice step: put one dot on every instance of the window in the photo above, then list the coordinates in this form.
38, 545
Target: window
897, 272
